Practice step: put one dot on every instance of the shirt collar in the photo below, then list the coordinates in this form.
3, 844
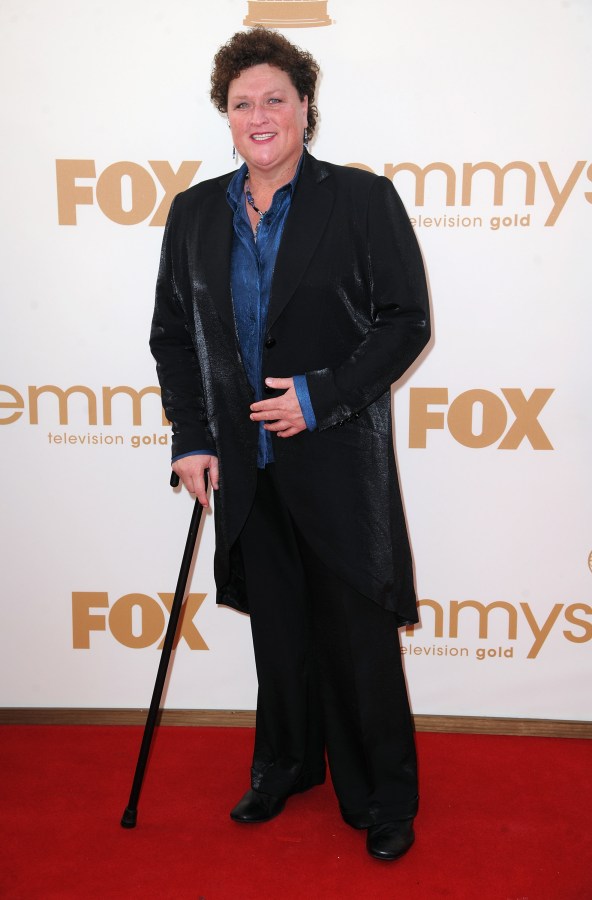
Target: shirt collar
236, 188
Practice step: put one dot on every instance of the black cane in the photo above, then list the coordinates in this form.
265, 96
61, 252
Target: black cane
128, 820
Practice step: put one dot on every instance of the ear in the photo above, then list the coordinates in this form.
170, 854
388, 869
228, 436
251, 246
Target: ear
304, 111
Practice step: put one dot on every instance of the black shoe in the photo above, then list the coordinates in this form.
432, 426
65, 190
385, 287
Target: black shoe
390, 840
256, 806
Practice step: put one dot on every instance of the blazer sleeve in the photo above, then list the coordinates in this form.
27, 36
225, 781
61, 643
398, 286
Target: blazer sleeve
177, 365
399, 326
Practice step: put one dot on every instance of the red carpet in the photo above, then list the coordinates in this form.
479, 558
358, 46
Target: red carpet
501, 818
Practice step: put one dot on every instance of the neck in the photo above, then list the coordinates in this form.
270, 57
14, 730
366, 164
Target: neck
267, 181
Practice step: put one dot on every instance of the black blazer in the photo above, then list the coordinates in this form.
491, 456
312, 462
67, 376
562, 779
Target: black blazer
349, 308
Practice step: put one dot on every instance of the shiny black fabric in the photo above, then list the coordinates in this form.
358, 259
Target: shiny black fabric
330, 676
349, 307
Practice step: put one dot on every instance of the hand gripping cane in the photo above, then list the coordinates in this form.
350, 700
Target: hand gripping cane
128, 820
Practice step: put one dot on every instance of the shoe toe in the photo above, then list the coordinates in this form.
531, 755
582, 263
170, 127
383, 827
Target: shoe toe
390, 840
256, 806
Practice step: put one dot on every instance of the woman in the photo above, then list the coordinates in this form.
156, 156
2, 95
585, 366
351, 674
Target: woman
291, 294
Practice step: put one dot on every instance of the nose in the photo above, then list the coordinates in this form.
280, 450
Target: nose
259, 113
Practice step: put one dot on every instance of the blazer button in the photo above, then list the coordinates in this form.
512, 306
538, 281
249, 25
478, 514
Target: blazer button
270, 342
268, 390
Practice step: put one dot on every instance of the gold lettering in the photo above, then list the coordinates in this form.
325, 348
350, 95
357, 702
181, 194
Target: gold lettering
420, 418
438, 618
173, 183
35, 392
82, 620
483, 610
71, 195
120, 620
109, 193
460, 418
16, 403
560, 196
580, 623
499, 174
186, 628
136, 396
588, 194
420, 174
526, 424
540, 634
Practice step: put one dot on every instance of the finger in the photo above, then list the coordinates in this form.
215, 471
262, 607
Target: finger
276, 409
279, 425
199, 489
265, 406
286, 425
215, 474
290, 432
268, 416
279, 382
186, 480
285, 402
273, 402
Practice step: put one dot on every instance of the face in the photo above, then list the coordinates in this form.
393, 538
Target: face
267, 119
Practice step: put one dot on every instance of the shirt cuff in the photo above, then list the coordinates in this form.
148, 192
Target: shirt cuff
301, 388
194, 453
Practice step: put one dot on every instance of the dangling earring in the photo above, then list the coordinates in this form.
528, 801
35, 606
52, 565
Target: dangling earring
234, 154
306, 138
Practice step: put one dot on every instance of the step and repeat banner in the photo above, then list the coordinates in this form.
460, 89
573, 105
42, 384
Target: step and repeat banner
480, 115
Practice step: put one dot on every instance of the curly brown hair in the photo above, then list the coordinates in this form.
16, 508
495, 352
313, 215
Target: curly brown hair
259, 46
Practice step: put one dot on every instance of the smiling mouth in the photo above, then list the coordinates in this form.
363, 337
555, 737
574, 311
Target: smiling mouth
263, 137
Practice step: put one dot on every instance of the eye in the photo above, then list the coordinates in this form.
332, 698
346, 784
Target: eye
242, 105
274, 100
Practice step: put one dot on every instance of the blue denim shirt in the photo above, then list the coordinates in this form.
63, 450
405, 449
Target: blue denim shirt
251, 272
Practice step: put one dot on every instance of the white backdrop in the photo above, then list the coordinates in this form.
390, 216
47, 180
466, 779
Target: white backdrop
480, 114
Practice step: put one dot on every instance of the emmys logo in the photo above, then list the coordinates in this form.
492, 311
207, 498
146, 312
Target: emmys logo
78, 396
520, 618
478, 418
287, 13
134, 620
491, 180
80, 407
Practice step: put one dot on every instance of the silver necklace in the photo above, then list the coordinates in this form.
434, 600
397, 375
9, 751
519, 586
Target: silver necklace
251, 202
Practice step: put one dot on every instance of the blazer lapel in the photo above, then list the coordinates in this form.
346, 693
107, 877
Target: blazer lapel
215, 251
309, 212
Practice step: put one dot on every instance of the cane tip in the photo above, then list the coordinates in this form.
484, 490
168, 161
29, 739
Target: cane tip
128, 819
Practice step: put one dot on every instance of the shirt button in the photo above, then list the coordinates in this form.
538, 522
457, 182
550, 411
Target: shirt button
270, 342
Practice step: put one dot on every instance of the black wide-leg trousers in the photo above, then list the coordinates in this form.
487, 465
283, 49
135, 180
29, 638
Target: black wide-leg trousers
330, 675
